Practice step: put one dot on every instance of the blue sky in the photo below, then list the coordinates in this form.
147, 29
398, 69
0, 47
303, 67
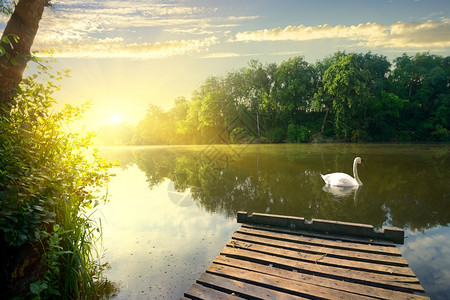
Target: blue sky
126, 55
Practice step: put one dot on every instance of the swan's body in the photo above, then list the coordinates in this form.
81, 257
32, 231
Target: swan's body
342, 179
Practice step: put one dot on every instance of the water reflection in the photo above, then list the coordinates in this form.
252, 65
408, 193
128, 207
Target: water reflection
173, 208
342, 191
403, 187
156, 248
428, 255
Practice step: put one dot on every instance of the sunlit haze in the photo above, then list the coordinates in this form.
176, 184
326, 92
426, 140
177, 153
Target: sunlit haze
126, 55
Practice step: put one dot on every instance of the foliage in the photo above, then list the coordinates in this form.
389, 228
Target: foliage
344, 97
297, 134
240, 136
47, 182
275, 135
7, 7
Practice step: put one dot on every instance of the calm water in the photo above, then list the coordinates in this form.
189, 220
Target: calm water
172, 209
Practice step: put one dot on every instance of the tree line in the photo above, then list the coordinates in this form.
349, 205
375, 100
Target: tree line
344, 97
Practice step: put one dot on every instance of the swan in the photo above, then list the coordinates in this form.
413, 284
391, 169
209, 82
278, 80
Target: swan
342, 179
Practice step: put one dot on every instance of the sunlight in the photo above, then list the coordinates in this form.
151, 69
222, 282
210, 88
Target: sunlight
115, 118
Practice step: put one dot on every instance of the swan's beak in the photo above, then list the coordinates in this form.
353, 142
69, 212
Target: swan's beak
362, 163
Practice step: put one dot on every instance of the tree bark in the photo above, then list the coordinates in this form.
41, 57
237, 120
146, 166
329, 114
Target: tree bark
24, 24
324, 120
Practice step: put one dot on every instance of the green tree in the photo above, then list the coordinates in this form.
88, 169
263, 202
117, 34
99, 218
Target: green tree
378, 68
212, 112
384, 120
294, 85
323, 102
152, 130
259, 81
346, 83
424, 80
293, 92
190, 126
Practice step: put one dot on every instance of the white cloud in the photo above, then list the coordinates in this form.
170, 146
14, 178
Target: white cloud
399, 35
88, 28
115, 48
222, 55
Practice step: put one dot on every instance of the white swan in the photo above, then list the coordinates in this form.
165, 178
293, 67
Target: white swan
342, 179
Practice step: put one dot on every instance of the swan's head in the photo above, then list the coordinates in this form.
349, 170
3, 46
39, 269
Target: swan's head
358, 160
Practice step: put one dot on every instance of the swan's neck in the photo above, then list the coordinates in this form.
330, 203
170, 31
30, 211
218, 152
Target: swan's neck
355, 173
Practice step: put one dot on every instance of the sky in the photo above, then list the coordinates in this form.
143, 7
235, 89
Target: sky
128, 54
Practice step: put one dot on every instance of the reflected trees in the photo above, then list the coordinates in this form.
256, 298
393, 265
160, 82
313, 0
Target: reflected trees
285, 179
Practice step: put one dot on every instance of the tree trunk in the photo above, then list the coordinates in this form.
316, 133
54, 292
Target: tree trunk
257, 124
324, 120
24, 24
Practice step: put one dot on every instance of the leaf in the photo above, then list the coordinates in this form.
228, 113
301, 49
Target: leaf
6, 40
14, 219
37, 207
38, 286
35, 288
14, 62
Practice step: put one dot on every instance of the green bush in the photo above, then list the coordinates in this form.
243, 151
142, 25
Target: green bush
47, 184
240, 136
297, 134
275, 135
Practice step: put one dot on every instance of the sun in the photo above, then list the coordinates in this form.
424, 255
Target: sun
115, 119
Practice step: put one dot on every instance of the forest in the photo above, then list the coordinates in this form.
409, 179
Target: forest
347, 97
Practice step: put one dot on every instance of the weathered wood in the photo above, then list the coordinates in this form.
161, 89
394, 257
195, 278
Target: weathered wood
281, 257
324, 235
355, 288
288, 286
307, 250
245, 290
400, 283
323, 259
338, 244
200, 291
395, 235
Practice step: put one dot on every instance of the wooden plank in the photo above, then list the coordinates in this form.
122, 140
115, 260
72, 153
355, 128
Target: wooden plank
395, 235
340, 253
288, 236
317, 280
261, 262
243, 289
382, 280
322, 259
198, 291
288, 286
324, 235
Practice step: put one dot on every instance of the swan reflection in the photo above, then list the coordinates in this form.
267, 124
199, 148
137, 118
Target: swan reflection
341, 191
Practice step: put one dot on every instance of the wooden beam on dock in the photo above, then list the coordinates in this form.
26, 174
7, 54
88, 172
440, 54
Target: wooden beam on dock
283, 258
395, 235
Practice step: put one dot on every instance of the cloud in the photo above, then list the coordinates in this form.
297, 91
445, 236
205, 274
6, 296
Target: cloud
234, 54
102, 16
104, 29
116, 48
399, 35
222, 55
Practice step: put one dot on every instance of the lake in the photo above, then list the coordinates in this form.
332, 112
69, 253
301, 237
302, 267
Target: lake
172, 208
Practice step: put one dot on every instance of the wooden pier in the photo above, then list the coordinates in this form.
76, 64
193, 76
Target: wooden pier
280, 257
